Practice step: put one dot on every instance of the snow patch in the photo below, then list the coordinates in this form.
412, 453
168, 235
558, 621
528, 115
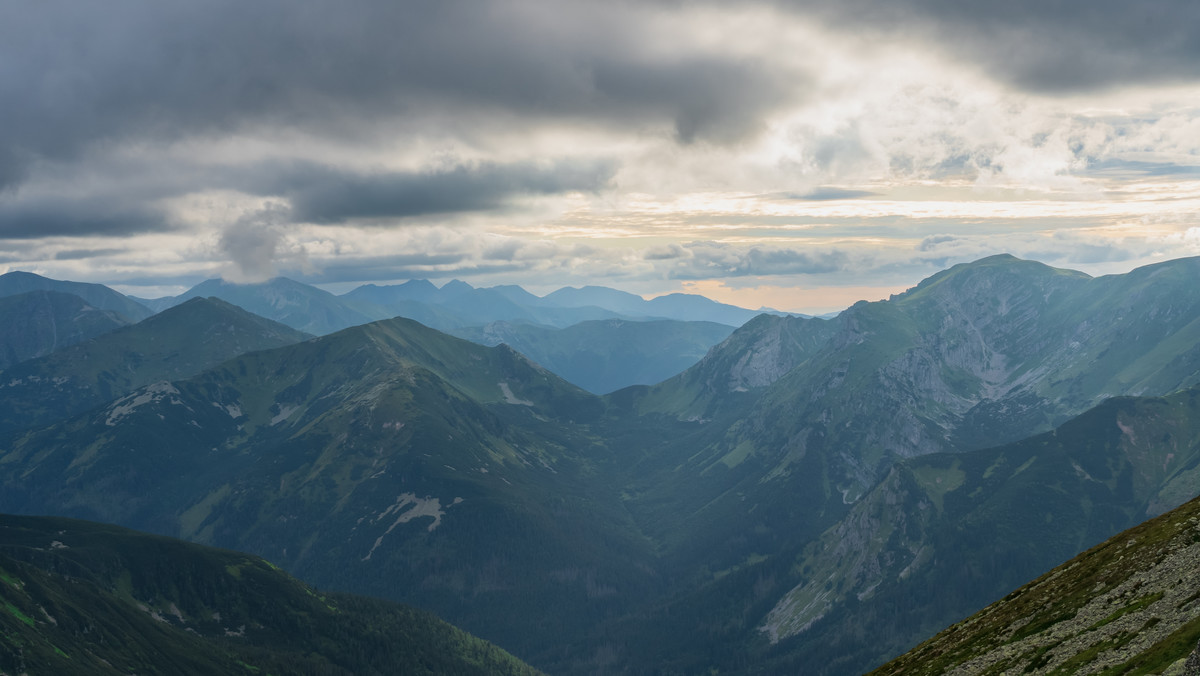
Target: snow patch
406, 508
284, 412
510, 397
152, 394
233, 410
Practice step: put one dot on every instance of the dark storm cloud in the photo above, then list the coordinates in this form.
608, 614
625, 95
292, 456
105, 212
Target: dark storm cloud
1060, 46
84, 254
74, 74
316, 193
327, 195
34, 218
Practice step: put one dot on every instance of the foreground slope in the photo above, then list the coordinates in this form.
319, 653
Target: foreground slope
1128, 606
176, 343
387, 459
86, 598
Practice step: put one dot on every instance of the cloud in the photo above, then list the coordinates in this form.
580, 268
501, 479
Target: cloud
827, 193
52, 216
256, 243
708, 260
83, 254
321, 194
87, 74
1047, 47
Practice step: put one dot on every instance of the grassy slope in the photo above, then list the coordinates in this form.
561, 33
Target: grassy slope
86, 598
353, 462
1128, 606
174, 344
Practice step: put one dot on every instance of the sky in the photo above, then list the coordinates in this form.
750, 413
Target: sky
795, 154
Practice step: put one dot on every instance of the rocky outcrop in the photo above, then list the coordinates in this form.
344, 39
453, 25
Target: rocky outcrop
1128, 603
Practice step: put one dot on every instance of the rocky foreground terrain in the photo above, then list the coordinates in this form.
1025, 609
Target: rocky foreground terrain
1128, 606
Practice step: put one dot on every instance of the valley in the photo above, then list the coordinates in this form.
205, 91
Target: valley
803, 495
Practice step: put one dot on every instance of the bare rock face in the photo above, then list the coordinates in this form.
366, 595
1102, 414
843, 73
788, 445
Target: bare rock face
1192, 666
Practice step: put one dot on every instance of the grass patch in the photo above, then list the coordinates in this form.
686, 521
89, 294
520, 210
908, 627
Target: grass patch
1038, 626
1177, 645
1140, 604
18, 614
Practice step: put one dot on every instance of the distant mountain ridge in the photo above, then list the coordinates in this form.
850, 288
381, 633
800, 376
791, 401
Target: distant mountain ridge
39, 322
455, 305
95, 295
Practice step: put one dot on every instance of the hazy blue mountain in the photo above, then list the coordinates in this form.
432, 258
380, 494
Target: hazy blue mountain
95, 295
419, 290
86, 598
176, 343
39, 322
597, 296
606, 355
458, 306
696, 308
681, 306
1128, 606
300, 306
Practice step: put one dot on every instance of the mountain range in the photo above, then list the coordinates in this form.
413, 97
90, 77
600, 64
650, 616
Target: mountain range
456, 305
774, 508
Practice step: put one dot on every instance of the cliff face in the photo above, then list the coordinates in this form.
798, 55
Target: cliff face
944, 534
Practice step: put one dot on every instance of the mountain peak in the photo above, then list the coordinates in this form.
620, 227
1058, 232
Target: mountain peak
457, 286
983, 276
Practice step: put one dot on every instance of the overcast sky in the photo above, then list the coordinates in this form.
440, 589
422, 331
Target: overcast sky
795, 154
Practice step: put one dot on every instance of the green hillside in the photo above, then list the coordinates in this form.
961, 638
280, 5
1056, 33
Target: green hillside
354, 462
177, 343
86, 598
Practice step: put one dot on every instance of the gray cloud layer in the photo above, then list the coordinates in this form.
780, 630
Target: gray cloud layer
325, 195
1061, 46
86, 73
